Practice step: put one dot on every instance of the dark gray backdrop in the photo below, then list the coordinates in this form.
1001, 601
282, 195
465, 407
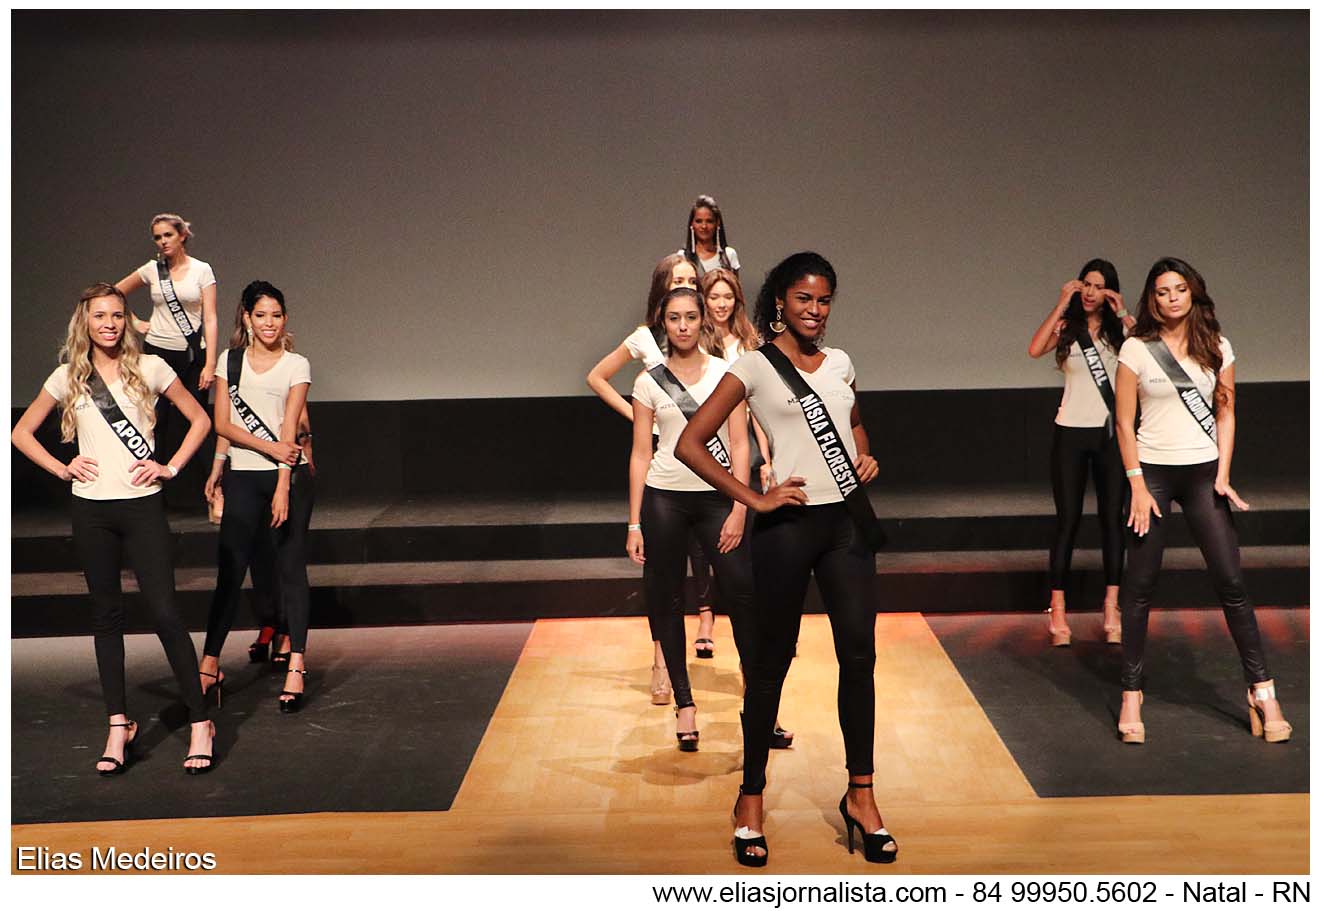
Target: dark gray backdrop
467, 205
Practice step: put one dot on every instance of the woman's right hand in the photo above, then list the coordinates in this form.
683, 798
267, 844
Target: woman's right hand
82, 468
284, 452
633, 546
788, 493
213, 479
1142, 507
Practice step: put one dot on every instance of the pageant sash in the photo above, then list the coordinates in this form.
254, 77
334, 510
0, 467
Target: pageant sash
192, 336
1093, 358
832, 446
688, 406
1189, 394
251, 422
134, 440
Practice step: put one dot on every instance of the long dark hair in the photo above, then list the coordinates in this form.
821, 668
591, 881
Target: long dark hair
1076, 321
1203, 342
778, 281
706, 202
658, 323
248, 300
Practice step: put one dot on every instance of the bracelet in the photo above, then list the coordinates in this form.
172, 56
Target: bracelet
285, 466
174, 472
1133, 472
1122, 313
635, 528
220, 456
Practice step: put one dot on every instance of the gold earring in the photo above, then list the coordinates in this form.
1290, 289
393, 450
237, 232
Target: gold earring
777, 324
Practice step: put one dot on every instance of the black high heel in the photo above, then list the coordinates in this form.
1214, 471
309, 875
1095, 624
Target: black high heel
688, 740
280, 659
209, 757
120, 767
742, 845
781, 739
289, 706
260, 650
709, 649
874, 843
216, 687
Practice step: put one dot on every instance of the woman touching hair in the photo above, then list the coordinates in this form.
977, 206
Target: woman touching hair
815, 523
1086, 328
1178, 372
106, 390
268, 485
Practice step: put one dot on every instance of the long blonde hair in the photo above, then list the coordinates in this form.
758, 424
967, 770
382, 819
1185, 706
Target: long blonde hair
77, 354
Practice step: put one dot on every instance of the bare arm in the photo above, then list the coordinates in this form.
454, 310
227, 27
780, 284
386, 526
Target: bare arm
1225, 438
25, 441
640, 457
864, 463
732, 529
209, 332
1141, 504
145, 471
298, 396
127, 285
691, 449
599, 380
1044, 339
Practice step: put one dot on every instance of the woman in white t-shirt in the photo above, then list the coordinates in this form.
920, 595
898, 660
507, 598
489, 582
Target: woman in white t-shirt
106, 391
1084, 439
803, 529
268, 485
1181, 453
673, 271
706, 246
669, 505
191, 355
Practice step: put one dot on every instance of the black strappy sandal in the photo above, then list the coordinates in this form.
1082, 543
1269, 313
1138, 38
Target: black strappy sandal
289, 706
216, 687
743, 845
709, 649
874, 843
688, 740
120, 766
209, 757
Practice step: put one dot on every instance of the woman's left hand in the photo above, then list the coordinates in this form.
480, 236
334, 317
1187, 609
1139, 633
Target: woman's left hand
1223, 488
1114, 299
207, 377
732, 531
145, 471
866, 466
279, 507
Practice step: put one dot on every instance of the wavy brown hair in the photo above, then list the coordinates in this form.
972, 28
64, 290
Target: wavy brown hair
1203, 341
248, 300
740, 325
77, 354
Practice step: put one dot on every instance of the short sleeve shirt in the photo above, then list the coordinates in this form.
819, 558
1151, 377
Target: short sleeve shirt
1168, 433
98, 440
665, 471
165, 332
266, 394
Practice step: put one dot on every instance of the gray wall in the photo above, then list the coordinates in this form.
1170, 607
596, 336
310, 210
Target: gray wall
470, 205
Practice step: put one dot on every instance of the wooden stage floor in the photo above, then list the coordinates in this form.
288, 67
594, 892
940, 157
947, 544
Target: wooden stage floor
578, 773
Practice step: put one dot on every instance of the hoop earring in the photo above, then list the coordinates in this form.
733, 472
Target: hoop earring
777, 325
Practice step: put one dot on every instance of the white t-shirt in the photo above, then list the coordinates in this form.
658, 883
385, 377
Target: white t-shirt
98, 441
707, 265
1167, 432
666, 472
643, 347
793, 449
266, 394
1082, 404
164, 331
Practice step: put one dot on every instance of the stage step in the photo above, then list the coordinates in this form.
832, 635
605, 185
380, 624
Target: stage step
420, 530
395, 593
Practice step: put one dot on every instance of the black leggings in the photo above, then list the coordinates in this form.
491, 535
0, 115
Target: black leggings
1212, 527
247, 518
1077, 452
670, 519
790, 545
107, 534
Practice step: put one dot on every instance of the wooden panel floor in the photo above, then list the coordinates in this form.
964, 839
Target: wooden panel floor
578, 773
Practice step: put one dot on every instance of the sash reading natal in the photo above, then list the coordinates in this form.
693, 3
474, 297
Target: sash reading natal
688, 406
192, 336
251, 422
1189, 394
832, 447
1093, 358
134, 440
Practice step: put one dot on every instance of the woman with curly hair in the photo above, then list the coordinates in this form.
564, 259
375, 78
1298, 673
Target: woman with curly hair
106, 389
1179, 371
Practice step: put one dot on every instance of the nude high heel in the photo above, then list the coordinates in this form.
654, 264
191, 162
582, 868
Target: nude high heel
1132, 731
1259, 726
660, 685
1111, 630
1059, 636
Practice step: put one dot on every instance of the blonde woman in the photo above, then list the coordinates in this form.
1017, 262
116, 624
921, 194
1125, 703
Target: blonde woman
106, 390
